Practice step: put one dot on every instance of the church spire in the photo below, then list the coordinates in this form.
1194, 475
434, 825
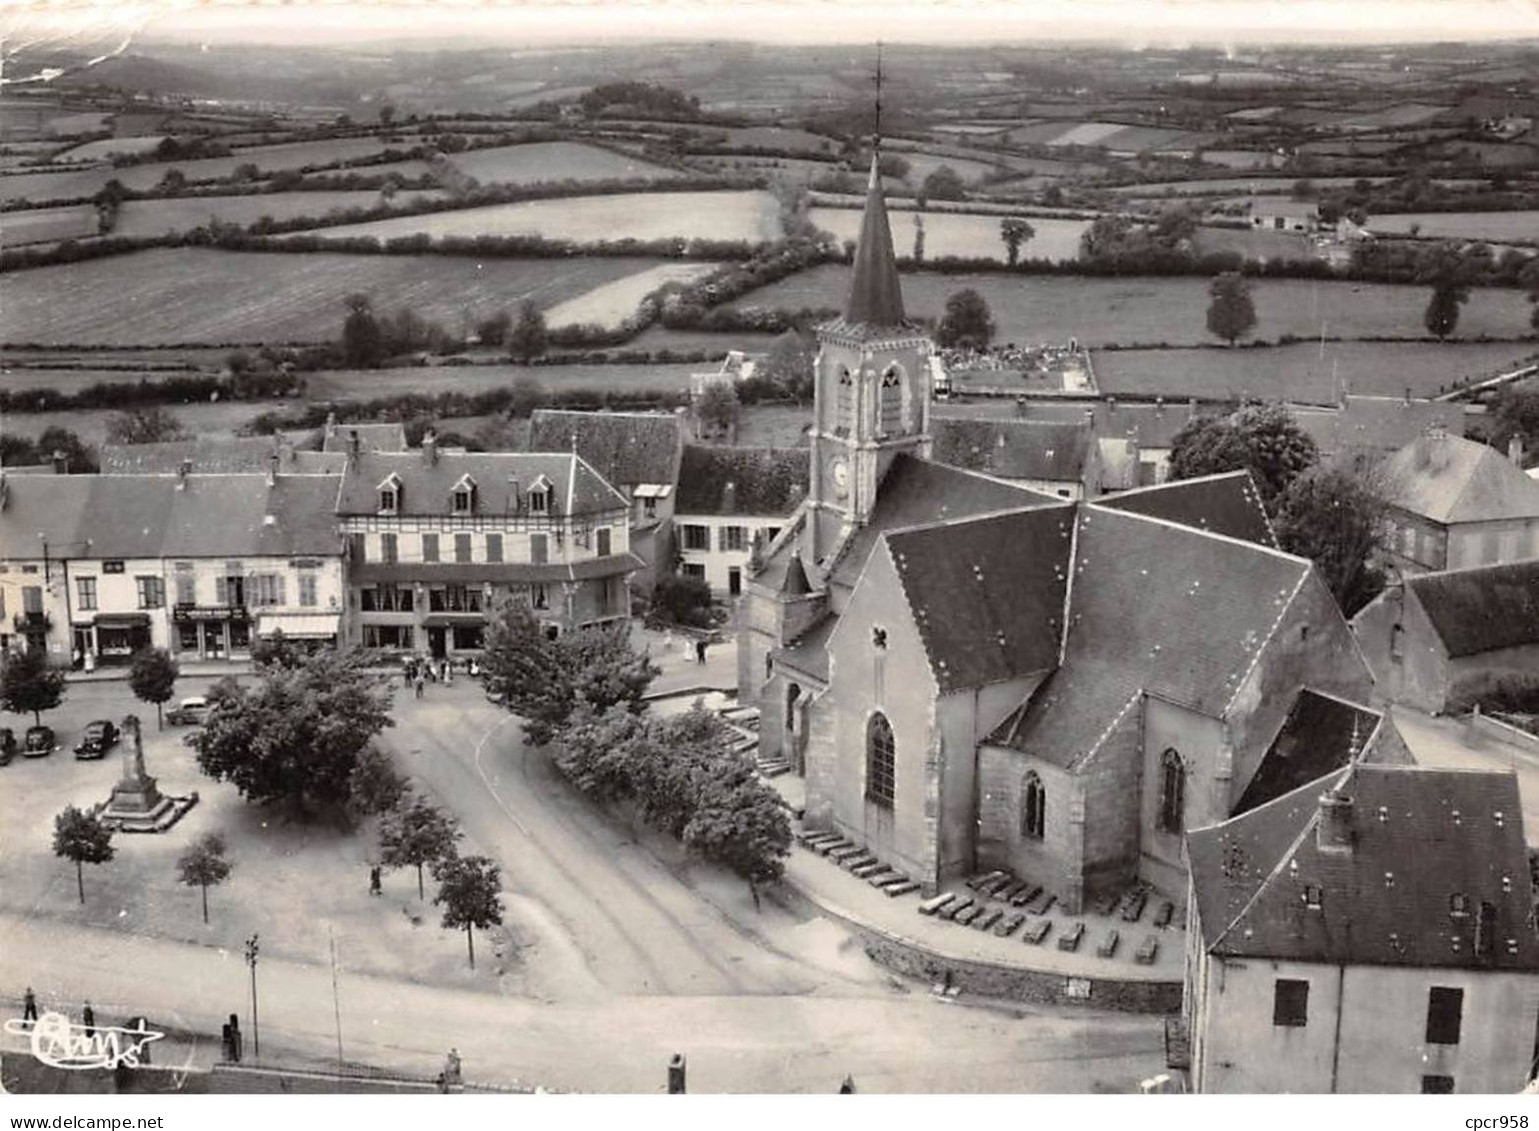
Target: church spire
875, 296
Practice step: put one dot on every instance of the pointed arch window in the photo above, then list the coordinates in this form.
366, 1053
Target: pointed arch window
890, 401
881, 761
1033, 807
844, 403
1172, 792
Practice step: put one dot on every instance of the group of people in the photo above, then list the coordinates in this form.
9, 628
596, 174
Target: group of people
1022, 359
421, 670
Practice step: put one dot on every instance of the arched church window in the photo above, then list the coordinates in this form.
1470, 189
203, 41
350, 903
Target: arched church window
890, 402
1172, 792
844, 402
1033, 807
881, 761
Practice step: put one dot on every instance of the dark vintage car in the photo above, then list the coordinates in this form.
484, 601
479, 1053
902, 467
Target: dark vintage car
192, 711
99, 737
7, 745
40, 742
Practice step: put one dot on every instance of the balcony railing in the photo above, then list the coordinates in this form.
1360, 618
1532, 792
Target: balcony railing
29, 621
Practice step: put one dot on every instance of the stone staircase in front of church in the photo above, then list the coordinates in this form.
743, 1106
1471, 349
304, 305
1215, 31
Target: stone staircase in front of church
858, 861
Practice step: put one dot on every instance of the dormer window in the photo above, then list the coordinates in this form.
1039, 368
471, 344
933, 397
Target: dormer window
1458, 905
539, 496
463, 498
390, 494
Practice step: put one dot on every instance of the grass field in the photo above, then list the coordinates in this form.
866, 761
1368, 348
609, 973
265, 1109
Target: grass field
1150, 310
205, 295
346, 384
612, 303
46, 225
1254, 244
1461, 225
107, 148
971, 237
586, 219
15, 378
223, 419
921, 165
553, 161
155, 217
1300, 372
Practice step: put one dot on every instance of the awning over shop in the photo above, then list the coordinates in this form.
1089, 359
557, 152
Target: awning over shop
299, 625
121, 620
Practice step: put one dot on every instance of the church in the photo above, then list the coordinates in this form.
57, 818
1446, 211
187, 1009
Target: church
971, 675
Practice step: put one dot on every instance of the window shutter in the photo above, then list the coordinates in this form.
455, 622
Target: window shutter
721, 537
221, 591
282, 590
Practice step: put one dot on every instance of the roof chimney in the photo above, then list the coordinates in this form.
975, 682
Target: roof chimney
60, 462
729, 497
1111, 404
1334, 832
430, 446
354, 445
184, 469
1515, 451
331, 424
272, 469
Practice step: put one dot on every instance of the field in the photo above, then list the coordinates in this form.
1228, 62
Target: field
46, 225
1241, 158
342, 384
155, 217
921, 165
15, 378
973, 237
1148, 310
205, 295
224, 419
1299, 372
612, 303
1462, 225
553, 161
107, 148
586, 219
1254, 244
777, 137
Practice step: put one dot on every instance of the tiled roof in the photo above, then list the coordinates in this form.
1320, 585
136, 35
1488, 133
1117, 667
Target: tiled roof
626, 448
1225, 504
809, 651
987, 593
427, 484
748, 481
1014, 449
371, 437
916, 491
1378, 425
1422, 843
1449, 479
875, 298
225, 455
1152, 425
1483, 609
38, 509
1154, 608
1321, 734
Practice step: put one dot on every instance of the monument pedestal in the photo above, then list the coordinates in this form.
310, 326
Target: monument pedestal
136, 804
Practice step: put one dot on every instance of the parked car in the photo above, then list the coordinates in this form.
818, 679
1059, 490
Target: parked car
99, 737
7, 745
40, 742
189, 712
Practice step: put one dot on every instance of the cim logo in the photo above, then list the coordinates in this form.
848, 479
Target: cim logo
59, 1043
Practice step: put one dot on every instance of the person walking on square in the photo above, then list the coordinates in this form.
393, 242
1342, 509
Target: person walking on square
29, 1005
88, 1018
421, 683
374, 888
700, 651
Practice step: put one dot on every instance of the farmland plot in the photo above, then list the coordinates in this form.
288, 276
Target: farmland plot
203, 295
588, 219
155, 217
1461, 225
363, 384
965, 236
612, 303
107, 148
46, 225
1154, 310
553, 161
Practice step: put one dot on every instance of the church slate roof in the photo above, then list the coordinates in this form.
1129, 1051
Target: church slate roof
626, 448
748, 481
1321, 734
987, 593
1014, 449
1227, 504
875, 298
1481, 609
1449, 480
1420, 837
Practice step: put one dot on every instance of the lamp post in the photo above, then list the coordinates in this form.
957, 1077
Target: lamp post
251, 961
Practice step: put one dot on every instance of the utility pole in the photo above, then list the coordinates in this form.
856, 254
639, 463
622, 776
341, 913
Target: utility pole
251, 961
336, 1000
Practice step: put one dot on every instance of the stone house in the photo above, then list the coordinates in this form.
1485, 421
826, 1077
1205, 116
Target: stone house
1440, 641
1058, 458
1369, 932
39, 524
732, 502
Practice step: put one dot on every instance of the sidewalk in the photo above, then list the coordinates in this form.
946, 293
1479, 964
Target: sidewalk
210, 669
675, 655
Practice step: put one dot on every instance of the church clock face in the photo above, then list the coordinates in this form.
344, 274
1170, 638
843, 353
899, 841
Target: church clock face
839, 474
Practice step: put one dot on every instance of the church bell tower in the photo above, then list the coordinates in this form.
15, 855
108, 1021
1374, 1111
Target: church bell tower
872, 389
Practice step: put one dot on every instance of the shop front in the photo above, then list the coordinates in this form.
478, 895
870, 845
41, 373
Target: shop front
119, 636
315, 630
212, 632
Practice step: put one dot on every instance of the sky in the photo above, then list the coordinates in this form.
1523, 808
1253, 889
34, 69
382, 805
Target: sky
548, 22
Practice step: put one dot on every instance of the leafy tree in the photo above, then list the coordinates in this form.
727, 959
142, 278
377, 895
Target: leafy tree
493, 331
29, 683
543, 680
83, 838
204, 864
683, 599
278, 651
418, 834
602, 753
529, 337
891, 165
525, 395
149, 424
1528, 279
79, 458
1442, 314
789, 365
740, 821
1262, 439
1335, 517
967, 321
468, 889
363, 343
1231, 314
944, 183
918, 237
376, 786
152, 677
718, 407
297, 734
1515, 412
173, 180
1015, 232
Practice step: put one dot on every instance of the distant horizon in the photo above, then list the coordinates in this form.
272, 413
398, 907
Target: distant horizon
547, 25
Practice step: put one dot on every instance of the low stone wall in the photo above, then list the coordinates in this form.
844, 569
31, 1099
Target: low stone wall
1041, 987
